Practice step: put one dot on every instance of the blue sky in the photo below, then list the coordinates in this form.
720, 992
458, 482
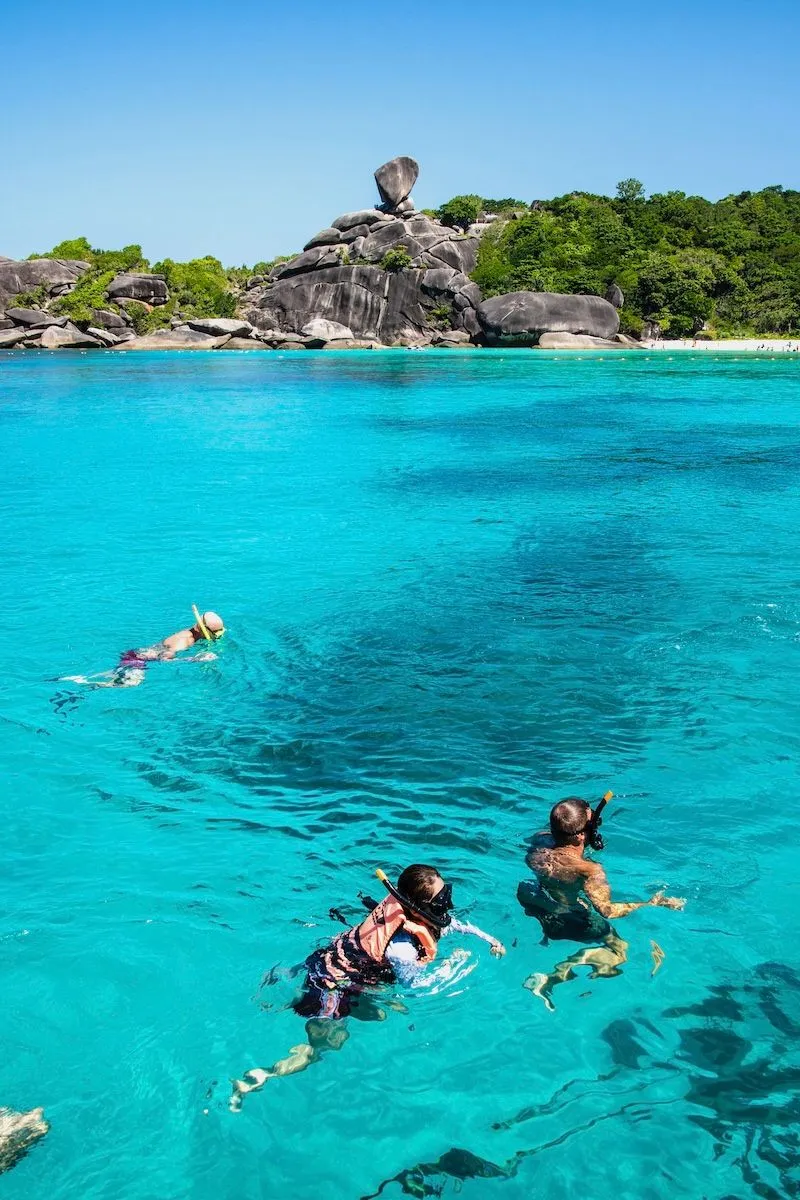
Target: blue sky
241, 130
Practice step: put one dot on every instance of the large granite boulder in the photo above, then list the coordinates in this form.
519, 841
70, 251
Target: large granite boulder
374, 304
519, 318
174, 339
107, 319
310, 260
241, 343
579, 341
395, 179
219, 326
68, 338
325, 237
53, 274
364, 216
320, 331
152, 289
34, 317
12, 337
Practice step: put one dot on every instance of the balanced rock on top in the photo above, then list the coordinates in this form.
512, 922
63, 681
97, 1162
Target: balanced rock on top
395, 179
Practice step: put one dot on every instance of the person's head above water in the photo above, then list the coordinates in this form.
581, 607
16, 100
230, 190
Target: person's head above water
569, 820
430, 896
208, 626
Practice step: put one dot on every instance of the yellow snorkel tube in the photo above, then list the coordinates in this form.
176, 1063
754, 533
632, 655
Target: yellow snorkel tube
207, 634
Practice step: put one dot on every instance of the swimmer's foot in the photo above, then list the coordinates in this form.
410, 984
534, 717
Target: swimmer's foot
251, 1081
537, 983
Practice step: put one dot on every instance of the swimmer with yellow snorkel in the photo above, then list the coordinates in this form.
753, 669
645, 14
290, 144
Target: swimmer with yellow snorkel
129, 671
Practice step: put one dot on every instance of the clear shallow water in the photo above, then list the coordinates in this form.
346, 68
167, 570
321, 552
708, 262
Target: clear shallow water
459, 587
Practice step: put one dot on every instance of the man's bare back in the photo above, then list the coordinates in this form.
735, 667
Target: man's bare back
571, 898
571, 891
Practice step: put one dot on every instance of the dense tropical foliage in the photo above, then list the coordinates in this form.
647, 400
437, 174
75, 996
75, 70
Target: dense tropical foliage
730, 266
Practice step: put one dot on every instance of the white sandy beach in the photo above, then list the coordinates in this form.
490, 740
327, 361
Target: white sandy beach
761, 345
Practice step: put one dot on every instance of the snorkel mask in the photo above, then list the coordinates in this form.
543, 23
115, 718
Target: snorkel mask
593, 835
437, 910
207, 634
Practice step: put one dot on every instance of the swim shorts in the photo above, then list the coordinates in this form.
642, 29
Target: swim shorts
579, 924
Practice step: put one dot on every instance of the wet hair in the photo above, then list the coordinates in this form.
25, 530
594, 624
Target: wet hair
569, 818
418, 882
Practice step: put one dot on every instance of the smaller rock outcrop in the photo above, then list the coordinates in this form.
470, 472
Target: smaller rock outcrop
615, 295
12, 337
67, 338
581, 341
34, 317
151, 289
241, 343
320, 332
220, 326
395, 179
174, 339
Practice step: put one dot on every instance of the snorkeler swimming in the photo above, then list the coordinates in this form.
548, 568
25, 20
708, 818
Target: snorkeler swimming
397, 939
130, 670
571, 898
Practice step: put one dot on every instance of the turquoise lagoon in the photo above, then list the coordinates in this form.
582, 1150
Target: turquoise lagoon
458, 587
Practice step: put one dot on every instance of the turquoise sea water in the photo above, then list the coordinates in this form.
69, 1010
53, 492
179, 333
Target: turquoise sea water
458, 587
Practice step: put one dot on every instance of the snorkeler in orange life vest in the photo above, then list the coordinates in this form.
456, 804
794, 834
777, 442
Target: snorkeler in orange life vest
398, 938
129, 671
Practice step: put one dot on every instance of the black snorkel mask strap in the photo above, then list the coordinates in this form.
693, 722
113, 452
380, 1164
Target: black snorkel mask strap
593, 835
419, 910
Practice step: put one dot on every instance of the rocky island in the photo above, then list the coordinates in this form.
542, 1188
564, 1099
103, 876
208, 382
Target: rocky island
551, 274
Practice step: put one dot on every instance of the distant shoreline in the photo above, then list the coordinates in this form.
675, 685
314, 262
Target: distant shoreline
751, 345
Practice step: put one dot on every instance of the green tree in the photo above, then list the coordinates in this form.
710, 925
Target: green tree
461, 211
629, 190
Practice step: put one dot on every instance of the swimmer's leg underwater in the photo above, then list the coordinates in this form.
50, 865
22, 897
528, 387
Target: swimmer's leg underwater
323, 1033
606, 962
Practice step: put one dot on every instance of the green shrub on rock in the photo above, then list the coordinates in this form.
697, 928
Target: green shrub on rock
396, 259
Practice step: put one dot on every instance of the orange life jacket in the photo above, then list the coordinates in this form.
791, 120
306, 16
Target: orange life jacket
358, 953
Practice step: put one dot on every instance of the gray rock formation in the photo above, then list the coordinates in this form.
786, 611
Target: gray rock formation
12, 337
54, 274
34, 317
395, 179
519, 318
219, 326
174, 339
339, 277
325, 237
577, 341
376, 305
103, 336
615, 295
68, 338
320, 331
240, 343
364, 216
18, 1132
111, 320
151, 289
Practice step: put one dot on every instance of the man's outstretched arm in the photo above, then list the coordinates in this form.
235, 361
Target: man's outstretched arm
599, 893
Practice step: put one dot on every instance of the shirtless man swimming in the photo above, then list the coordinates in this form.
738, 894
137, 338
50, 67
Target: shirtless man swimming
129, 671
571, 898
